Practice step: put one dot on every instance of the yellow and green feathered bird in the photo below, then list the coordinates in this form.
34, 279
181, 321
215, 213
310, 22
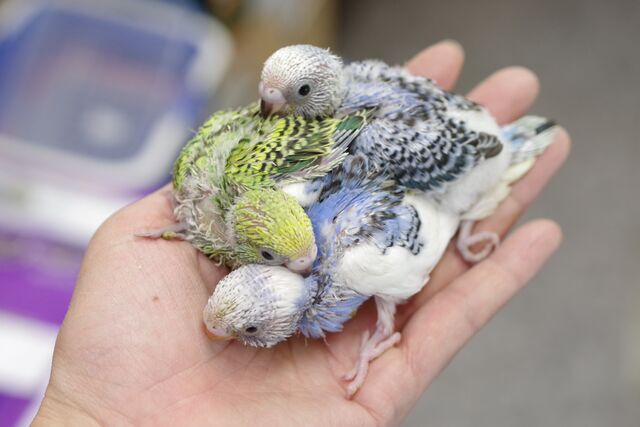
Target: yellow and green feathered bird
240, 183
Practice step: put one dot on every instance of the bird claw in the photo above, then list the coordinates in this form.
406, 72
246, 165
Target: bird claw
387, 344
466, 240
353, 387
171, 232
371, 349
363, 342
349, 376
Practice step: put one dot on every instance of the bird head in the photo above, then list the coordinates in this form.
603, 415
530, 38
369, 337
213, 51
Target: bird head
258, 305
270, 227
303, 80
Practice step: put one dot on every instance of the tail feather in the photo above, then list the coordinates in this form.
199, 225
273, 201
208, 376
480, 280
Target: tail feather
529, 137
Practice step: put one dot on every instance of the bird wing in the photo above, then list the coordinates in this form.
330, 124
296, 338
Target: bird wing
294, 149
331, 307
414, 134
425, 156
359, 206
356, 209
196, 151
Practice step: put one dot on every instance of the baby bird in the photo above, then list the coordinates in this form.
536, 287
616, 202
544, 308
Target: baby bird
425, 138
230, 185
374, 240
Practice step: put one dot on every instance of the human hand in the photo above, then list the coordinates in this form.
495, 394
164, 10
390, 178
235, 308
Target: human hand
132, 348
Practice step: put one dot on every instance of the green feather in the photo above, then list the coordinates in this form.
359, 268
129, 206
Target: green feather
294, 148
235, 152
202, 142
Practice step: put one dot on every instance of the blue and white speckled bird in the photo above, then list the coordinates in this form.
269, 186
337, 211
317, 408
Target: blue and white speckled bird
426, 138
373, 238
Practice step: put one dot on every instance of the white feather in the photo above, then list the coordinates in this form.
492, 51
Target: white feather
463, 194
288, 285
398, 274
301, 192
266, 297
478, 194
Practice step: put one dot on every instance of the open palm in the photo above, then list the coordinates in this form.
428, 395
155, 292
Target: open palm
132, 348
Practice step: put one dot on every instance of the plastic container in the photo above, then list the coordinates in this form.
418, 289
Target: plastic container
96, 98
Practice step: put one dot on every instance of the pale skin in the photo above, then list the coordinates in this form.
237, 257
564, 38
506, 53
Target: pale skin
132, 350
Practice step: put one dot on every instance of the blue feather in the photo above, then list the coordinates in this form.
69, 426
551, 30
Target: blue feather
355, 205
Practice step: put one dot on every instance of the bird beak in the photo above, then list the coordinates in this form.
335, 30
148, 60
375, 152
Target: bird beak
271, 100
216, 334
303, 264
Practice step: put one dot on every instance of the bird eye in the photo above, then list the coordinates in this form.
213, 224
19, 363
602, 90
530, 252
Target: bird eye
251, 330
304, 90
266, 255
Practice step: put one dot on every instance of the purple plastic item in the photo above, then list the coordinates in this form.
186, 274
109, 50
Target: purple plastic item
37, 276
11, 409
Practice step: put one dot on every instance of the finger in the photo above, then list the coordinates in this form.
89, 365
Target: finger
152, 212
441, 62
440, 328
157, 206
507, 93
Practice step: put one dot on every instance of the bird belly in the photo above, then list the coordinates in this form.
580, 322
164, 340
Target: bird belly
465, 192
396, 273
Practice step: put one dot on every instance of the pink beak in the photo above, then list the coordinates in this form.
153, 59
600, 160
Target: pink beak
216, 334
271, 100
303, 264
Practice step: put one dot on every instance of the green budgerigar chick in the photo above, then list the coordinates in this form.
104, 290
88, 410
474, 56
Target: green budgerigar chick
236, 185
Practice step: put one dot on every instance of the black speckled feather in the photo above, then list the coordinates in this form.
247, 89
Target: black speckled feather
413, 135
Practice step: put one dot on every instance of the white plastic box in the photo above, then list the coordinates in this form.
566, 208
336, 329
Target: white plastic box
96, 98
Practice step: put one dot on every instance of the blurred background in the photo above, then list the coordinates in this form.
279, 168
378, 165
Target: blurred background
97, 97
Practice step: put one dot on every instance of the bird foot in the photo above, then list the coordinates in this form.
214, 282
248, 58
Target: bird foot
466, 240
371, 349
171, 232
352, 373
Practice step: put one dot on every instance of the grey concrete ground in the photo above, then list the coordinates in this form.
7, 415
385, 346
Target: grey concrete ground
566, 351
